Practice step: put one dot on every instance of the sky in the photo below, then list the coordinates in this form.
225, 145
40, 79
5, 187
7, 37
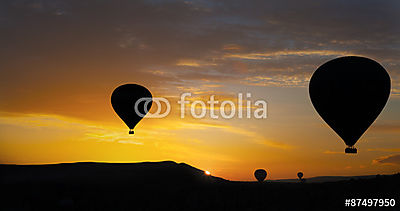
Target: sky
61, 60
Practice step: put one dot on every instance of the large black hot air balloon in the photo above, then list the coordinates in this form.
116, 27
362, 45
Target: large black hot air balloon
349, 93
124, 99
260, 175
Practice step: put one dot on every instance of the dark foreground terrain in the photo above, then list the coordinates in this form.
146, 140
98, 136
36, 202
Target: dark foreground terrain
171, 186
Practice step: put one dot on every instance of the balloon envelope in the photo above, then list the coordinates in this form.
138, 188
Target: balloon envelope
300, 175
260, 174
349, 93
123, 100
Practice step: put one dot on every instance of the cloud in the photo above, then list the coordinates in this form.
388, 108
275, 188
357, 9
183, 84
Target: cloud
166, 44
333, 152
84, 130
68, 127
391, 128
272, 55
252, 136
129, 142
277, 81
390, 160
384, 150
42, 121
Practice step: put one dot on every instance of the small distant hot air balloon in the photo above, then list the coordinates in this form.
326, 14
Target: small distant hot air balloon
300, 175
260, 175
125, 98
349, 93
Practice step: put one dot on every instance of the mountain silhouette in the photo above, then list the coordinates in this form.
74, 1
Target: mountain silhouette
166, 172
321, 179
173, 186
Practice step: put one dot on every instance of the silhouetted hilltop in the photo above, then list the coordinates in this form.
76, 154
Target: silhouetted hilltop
166, 172
172, 186
320, 179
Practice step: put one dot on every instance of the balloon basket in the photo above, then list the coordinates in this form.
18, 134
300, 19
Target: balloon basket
131, 132
350, 150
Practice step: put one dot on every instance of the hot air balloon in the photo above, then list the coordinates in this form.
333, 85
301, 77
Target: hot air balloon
300, 175
349, 93
131, 102
260, 175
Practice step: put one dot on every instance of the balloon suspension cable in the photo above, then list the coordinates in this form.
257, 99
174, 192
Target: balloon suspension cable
350, 150
131, 131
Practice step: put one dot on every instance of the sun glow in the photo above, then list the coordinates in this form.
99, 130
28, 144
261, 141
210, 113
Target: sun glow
207, 173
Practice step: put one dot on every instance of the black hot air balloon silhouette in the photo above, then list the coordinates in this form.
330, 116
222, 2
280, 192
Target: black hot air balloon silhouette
124, 99
349, 93
260, 175
300, 175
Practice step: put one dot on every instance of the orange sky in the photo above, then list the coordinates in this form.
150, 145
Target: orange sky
60, 62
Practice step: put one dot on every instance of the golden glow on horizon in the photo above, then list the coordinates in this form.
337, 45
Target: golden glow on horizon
231, 150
